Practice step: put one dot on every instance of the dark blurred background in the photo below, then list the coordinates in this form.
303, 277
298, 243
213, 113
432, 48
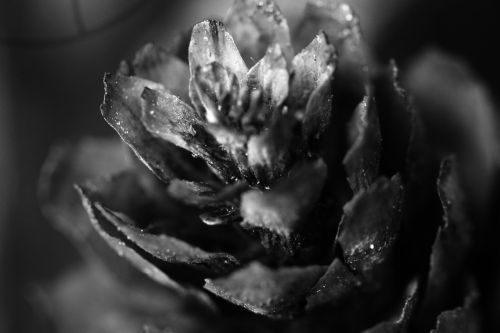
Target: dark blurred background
53, 54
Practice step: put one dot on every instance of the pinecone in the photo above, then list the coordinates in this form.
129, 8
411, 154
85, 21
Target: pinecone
281, 192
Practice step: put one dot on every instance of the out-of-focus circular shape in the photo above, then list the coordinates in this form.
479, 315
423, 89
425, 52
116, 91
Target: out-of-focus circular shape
43, 23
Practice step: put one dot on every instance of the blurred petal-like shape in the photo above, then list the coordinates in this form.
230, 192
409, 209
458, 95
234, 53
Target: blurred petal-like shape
336, 18
460, 117
203, 195
311, 86
105, 306
450, 254
271, 74
400, 324
154, 228
311, 68
155, 64
217, 91
99, 217
393, 107
235, 144
210, 42
341, 25
217, 206
278, 214
370, 225
121, 108
363, 157
273, 293
461, 319
269, 152
169, 118
71, 164
318, 114
335, 287
257, 24
173, 251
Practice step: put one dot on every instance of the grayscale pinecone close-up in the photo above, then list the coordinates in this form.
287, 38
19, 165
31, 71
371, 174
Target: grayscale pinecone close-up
268, 180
